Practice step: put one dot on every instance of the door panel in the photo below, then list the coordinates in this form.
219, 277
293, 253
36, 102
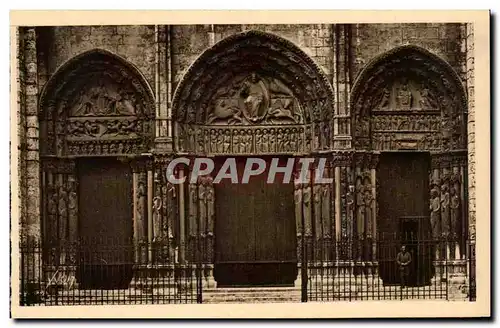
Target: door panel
105, 223
255, 231
403, 192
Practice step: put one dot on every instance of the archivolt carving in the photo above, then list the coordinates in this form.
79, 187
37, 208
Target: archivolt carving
96, 104
255, 78
408, 91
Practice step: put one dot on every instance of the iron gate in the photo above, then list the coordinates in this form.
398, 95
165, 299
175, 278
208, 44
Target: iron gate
113, 273
361, 268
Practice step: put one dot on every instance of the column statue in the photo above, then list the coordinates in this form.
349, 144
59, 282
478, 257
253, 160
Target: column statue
435, 208
445, 210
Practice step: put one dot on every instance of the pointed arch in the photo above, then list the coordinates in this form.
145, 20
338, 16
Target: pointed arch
246, 52
433, 88
97, 103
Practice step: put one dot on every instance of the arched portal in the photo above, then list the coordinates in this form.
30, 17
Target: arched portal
252, 87
410, 106
408, 91
96, 112
251, 94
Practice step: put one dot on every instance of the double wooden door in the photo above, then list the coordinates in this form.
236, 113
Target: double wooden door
255, 231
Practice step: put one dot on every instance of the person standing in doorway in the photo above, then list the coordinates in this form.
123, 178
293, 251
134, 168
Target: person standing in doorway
403, 260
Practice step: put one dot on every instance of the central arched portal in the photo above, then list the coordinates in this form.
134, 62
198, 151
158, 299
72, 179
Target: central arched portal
255, 230
251, 95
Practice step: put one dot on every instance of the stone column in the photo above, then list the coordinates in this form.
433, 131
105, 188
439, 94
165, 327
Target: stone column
299, 227
373, 228
210, 228
60, 217
140, 193
338, 229
182, 219
344, 203
205, 203
28, 160
150, 225
435, 204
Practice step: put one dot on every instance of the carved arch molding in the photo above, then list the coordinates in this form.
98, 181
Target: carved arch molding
409, 99
253, 93
96, 104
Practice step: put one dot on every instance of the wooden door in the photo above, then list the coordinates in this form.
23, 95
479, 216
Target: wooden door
105, 223
403, 192
255, 231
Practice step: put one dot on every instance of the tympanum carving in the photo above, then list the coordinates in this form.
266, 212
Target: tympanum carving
253, 79
408, 99
255, 99
96, 104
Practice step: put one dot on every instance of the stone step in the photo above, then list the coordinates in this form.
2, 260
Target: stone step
252, 295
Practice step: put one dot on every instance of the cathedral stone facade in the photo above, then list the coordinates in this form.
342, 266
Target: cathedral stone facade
103, 110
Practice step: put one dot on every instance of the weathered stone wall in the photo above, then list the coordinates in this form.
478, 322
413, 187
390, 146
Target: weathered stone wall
372, 40
21, 128
189, 41
133, 43
471, 126
29, 137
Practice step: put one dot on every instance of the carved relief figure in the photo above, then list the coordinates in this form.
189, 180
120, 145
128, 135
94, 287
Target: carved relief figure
248, 142
317, 193
168, 227
213, 141
140, 207
225, 110
348, 223
368, 200
193, 209
220, 141
445, 209
294, 140
254, 99
104, 100
406, 94
157, 231
279, 140
298, 208
264, 146
325, 210
210, 199
360, 205
435, 207
200, 140
306, 198
202, 206
236, 141
72, 199
63, 213
455, 210
227, 142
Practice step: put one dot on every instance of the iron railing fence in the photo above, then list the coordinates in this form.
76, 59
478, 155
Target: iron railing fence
108, 271
350, 269
363, 268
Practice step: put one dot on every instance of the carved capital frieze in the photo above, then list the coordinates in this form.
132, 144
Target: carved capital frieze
343, 159
141, 164
59, 165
